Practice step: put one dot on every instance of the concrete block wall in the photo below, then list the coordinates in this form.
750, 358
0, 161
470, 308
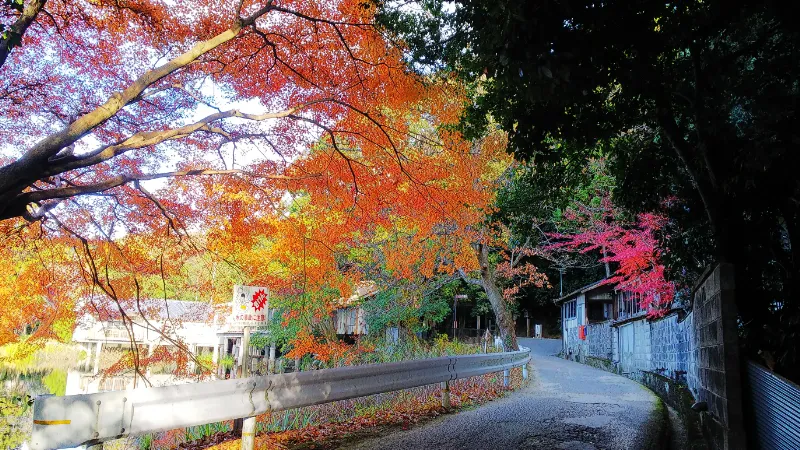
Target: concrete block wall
717, 359
670, 347
692, 378
599, 340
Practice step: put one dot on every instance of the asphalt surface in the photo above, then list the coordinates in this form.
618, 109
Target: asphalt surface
567, 405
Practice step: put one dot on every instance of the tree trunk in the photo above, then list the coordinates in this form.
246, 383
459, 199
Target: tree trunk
608, 266
505, 321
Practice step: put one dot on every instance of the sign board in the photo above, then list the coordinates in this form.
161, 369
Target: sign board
250, 306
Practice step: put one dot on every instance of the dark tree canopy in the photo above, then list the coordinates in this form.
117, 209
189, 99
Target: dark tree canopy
696, 100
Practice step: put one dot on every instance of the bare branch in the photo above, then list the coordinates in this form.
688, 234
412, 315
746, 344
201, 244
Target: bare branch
337, 149
515, 258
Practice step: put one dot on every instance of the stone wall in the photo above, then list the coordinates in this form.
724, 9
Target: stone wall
572, 345
642, 355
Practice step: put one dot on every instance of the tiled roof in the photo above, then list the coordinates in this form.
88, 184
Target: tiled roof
182, 310
159, 309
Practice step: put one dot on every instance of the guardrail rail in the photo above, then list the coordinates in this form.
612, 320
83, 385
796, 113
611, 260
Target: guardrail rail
74, 420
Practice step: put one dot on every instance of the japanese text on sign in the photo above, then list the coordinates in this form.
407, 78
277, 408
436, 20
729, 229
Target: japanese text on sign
250, 306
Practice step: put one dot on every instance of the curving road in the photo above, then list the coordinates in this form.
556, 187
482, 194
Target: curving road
566, 406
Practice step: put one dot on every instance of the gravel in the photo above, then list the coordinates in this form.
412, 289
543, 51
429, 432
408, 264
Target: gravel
566, 406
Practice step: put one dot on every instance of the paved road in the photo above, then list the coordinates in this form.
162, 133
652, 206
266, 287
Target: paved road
566, 406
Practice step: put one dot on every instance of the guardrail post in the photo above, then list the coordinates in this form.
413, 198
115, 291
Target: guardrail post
249, 433
445, 394
525, 371
506, 374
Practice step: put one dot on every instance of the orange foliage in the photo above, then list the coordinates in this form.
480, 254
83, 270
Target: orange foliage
339, 93
364, 147
324, 351
421, 192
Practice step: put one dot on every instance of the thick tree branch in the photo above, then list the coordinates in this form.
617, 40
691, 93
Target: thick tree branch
515, 258
13, 35
150, 138
700, 114
27, 204
15, 176
684, 152
469, 280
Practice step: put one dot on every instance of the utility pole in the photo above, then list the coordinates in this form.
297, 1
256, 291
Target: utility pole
249, 308
455, 318
239, 425
245, 355
248, 424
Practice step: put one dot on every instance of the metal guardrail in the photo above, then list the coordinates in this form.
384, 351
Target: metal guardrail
74, 420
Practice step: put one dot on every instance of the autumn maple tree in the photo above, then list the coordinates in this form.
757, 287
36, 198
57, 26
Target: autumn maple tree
140, 137
136, 137
419, 220
631, 246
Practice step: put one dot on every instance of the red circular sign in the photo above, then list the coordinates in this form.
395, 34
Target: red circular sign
259, 300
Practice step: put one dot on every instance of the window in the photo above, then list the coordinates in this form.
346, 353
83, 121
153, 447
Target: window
115, 330
570, 309
629, 305
599, 311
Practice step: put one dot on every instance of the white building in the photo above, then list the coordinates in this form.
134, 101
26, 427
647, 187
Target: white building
192, 323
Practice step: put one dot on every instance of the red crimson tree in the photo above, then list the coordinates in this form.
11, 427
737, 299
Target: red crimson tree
632, 246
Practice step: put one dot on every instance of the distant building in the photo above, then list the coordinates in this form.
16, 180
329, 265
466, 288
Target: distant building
600, 322
205, 329
350, 318
191, 322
